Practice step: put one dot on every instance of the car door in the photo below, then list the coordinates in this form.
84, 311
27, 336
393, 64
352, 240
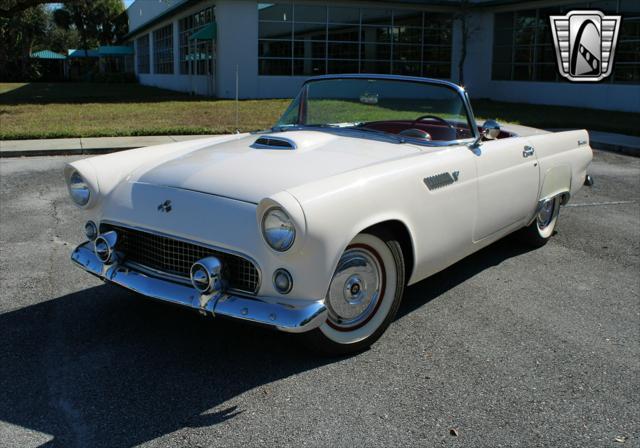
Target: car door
508, 182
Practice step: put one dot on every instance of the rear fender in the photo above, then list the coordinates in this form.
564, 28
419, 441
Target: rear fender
557, 180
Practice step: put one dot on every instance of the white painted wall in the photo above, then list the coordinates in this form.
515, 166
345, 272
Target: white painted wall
603, 95
200, 85
477, 66
279, 86
237, 45
197, 84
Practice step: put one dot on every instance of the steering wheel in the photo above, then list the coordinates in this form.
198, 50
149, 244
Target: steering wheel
433, 117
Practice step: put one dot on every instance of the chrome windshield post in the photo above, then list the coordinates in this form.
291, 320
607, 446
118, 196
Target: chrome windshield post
477, 136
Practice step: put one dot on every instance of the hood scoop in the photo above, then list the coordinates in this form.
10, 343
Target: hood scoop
271, 142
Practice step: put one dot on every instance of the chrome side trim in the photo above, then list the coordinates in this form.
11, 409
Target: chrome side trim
284, 315
186, 240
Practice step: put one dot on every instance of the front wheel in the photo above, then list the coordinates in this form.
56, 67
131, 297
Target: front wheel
363, 297
541, 229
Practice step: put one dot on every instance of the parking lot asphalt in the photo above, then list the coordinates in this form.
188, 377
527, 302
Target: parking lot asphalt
510, 347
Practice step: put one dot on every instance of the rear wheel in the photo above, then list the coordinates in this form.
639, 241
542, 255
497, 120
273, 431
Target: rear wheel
363, 297
541, 229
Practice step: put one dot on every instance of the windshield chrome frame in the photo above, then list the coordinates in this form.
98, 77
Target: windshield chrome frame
462, 93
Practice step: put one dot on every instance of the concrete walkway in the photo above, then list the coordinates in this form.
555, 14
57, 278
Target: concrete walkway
69, 146
609, 141
94, 145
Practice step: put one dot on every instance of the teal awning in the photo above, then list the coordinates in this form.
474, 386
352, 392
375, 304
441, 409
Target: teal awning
208, 32
47, 54
73, 53
115, 50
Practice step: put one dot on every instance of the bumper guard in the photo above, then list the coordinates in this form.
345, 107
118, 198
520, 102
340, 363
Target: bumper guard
285, 316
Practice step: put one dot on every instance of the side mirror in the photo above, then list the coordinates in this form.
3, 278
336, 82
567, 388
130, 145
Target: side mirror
491, 129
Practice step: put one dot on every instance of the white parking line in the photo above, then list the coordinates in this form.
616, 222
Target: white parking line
594, 204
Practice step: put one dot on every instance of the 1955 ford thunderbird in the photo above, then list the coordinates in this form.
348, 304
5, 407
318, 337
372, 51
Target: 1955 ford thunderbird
368, 183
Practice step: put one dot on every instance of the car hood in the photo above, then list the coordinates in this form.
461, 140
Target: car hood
240, 169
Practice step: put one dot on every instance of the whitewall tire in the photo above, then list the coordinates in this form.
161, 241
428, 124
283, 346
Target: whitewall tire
364, 295
543, 226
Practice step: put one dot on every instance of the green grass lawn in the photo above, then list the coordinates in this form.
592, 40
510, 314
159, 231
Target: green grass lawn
52, 110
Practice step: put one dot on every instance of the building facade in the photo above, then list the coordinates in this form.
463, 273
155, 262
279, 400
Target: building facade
499, 49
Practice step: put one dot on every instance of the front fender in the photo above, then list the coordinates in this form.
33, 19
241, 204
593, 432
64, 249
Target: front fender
439, 221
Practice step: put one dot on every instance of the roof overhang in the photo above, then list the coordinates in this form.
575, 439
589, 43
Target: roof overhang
169, 12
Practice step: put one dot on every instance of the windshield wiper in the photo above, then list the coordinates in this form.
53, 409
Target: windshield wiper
284, 127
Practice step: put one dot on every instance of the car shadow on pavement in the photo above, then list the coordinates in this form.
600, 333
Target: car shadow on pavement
103, 367
432, 287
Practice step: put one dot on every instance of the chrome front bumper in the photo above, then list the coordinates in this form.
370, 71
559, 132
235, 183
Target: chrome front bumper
285, 316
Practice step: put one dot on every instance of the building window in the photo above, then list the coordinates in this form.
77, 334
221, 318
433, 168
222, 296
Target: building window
307, 40
142, 46
523, 48
163, 50
196, 56
627, 61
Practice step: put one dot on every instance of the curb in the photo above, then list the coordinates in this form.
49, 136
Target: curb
626, 150
61, 152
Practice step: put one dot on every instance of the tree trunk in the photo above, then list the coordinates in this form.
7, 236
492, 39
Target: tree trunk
463, 49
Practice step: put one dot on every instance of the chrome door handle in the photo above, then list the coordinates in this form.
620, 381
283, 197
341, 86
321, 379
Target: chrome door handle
528, 151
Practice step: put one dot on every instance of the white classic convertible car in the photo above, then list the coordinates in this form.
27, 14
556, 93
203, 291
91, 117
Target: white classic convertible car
368, 183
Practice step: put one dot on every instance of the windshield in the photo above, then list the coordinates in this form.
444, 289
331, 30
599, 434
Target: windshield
407, 108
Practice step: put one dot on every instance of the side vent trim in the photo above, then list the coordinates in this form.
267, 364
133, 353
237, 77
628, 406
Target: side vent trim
270, 142
441, 180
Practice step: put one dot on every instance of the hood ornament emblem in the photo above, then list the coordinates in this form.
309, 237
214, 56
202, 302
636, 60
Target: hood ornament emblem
165, 206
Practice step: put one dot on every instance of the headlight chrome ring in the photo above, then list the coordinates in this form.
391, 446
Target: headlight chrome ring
78, 189
278, 229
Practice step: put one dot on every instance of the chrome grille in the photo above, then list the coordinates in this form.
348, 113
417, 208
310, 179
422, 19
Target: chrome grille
175, 257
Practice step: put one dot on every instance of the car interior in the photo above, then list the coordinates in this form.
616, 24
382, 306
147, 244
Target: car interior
428, 127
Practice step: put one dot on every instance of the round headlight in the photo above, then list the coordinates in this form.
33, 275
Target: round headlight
278, 230
78, 189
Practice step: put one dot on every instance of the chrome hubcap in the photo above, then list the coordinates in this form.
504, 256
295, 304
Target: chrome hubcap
355, 288
546, 213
